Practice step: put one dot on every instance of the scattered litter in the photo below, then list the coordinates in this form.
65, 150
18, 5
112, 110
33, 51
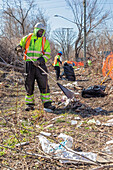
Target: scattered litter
75, 83
108, 149
77, 118
110, 121
98, 123
22, 144
57, 117
98, 109
68, 139
68, 85
50, 147
56, 92
37, 126
63, 150
78, 94
64, 98
71, 103
45, 133
73, 122
109, 142
51, 125
91, 121
107, 124
48, 110
79, 125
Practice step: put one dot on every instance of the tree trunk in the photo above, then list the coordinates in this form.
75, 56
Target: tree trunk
76, 55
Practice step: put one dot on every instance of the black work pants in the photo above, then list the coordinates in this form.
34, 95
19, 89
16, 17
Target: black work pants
57, 68
34, 73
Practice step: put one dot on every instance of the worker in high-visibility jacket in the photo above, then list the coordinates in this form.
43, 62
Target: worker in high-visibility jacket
57, 62
37, 50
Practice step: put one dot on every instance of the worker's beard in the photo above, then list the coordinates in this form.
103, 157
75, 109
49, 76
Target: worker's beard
38, 35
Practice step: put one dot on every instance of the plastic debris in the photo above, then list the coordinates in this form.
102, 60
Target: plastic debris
109, 142
91, 121
56, 92
98, 123
110, 121
77, 118
64, 98
107, 124
73, 122
45, 133
75, 83
98, 109
48, 110
109, 147
22, 144
37, 126
63, 150
51, 125
57, 117
79, 125
68, 85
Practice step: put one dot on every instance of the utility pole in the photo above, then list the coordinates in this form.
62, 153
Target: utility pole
84, 4
67, 30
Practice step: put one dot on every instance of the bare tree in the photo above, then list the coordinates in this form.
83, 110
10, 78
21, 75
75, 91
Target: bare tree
19, 18
64, 39
18, 14
94, 17
99, 43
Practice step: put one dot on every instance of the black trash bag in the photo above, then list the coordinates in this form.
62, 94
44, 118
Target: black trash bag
69, 72
94, 91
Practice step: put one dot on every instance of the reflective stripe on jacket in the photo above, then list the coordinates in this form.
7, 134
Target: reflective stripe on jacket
34, 49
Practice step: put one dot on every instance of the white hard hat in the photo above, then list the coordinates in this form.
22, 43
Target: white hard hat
40, 25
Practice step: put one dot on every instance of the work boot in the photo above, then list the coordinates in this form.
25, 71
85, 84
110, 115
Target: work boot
29, 107
48, 107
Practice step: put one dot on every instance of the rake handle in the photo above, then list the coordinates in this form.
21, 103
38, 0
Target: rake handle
42, 69
106, 75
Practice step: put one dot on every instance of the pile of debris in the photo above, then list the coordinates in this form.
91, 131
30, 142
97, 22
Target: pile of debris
76, 107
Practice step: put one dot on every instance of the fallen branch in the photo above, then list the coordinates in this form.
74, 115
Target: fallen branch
7, 167
103, 167
11, 66
48, 156
59, 158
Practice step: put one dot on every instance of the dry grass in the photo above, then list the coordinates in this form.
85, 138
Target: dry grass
18, 126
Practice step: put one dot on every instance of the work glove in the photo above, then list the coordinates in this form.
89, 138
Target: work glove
40, 61
19, 49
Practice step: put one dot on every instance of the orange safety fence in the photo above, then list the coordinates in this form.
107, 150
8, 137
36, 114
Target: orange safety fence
107, 65
78, 64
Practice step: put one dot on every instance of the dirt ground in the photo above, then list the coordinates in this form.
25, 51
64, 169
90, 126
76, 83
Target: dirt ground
89, 121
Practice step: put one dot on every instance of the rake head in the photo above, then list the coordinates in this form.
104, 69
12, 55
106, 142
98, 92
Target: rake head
66, 91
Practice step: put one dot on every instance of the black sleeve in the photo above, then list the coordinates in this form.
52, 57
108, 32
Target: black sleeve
59, 61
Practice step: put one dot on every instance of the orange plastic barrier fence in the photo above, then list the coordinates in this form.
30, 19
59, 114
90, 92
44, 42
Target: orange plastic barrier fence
76, 63
108, 64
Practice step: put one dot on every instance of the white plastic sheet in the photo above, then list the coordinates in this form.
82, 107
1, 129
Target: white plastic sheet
65, 152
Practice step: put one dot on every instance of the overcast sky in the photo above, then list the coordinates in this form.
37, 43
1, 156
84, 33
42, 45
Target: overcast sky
59, 7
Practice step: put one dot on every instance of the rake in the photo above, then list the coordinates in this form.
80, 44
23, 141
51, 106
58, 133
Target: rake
66, 91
